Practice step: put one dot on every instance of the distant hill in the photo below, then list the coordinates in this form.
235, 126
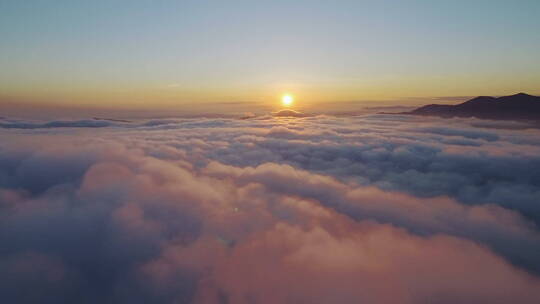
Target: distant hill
514, 107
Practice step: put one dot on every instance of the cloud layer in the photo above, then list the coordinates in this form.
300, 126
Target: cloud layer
376, 209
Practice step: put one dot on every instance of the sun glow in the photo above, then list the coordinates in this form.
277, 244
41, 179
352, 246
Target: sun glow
287, 100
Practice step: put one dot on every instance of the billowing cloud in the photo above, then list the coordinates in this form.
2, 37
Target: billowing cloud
389, 209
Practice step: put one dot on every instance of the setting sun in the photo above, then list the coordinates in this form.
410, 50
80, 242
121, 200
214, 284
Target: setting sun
287, 100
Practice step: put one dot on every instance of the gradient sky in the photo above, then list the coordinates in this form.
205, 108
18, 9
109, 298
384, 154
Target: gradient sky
159, 54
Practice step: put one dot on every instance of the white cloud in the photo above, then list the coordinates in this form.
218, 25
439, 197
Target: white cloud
329, 208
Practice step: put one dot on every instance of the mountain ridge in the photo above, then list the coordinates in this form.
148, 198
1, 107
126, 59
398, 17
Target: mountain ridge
520, 106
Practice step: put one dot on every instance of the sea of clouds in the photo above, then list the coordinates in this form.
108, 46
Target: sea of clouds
315, 209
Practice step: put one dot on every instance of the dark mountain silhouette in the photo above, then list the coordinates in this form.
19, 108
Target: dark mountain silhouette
514, 107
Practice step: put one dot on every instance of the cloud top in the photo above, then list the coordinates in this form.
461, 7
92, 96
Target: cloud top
377, 209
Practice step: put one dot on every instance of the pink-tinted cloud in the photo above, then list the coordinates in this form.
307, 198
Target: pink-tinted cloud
309, 210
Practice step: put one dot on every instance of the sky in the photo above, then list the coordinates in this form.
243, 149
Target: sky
187, 54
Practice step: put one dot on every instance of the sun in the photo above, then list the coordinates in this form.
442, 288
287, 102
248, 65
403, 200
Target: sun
287, 100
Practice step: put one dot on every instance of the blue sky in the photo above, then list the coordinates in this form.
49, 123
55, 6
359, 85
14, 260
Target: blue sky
167, 52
